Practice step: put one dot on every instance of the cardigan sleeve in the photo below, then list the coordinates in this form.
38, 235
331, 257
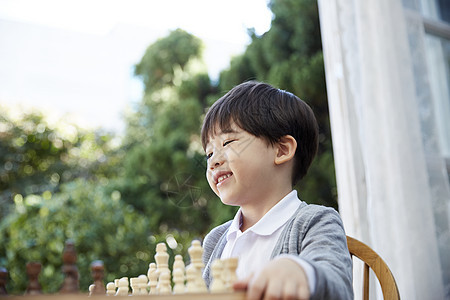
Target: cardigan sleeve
317, 235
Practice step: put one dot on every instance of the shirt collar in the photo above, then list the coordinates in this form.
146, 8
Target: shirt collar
272, 220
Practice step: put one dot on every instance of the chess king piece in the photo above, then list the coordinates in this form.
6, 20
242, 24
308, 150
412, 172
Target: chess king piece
3, 279
70, 270
97, 273
33, 270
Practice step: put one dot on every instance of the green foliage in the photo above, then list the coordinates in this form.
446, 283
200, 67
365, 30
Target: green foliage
163, 59
36, 156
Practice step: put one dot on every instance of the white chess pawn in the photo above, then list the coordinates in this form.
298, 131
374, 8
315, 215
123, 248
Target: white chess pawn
110, 289
178, 263
178, 280
217, 283
91, 289
143, 280
191, 286
195, 254
152, 278
122, 289
164, 283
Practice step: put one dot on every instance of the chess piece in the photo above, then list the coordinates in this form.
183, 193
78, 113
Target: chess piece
110, 289
142, 284
162, 259
191, 279
97, 273
122, 289
217, 283
195, 254
134, 284
70, 270
230, 265
3, 279
178, 263
152, 278
178, 280
164, 283
33, 270
91, 289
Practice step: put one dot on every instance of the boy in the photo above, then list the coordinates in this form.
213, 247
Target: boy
259, 141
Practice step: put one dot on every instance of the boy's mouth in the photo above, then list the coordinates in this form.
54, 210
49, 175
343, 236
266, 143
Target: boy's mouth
222, 177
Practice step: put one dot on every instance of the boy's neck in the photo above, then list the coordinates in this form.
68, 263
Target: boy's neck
251, 214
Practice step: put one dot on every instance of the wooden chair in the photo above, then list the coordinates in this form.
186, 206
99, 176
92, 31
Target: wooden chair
373, 261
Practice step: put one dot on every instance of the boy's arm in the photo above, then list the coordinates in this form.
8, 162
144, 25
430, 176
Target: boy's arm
324, 245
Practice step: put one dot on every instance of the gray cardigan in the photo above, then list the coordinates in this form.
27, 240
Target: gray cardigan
316, 234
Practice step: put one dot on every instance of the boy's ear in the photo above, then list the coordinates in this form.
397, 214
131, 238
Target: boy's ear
285, 148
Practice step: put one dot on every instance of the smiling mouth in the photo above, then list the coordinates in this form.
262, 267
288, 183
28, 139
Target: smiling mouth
223, 177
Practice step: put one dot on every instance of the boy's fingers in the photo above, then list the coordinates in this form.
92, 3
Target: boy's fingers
303, 292
240, 285
256, 288
290, 291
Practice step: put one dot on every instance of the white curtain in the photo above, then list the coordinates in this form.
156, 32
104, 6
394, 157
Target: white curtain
393, 189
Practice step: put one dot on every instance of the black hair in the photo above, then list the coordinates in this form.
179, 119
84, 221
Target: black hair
268, 113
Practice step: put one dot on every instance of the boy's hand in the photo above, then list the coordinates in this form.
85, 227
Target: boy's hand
280, 279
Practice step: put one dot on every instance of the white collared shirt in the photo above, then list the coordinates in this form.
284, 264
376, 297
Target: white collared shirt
254, 246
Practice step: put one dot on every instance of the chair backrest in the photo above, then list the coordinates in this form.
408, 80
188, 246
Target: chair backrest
373, 261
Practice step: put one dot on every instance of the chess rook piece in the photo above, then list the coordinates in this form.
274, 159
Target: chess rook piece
70, 270
97, 273
3, 279
33, 270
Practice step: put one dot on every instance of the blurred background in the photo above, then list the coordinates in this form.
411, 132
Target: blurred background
101, 104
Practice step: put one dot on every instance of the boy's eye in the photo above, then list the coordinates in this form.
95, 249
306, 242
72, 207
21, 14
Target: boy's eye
228, 142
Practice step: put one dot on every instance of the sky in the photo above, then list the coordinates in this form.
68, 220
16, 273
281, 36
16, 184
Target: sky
75, 59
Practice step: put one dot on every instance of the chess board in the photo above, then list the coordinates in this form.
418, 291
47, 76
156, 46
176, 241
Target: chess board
161, 282
193, 296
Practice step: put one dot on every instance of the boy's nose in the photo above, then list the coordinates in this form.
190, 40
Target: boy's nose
216, 161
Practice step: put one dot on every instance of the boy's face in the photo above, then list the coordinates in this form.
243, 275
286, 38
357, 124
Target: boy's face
240, 166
